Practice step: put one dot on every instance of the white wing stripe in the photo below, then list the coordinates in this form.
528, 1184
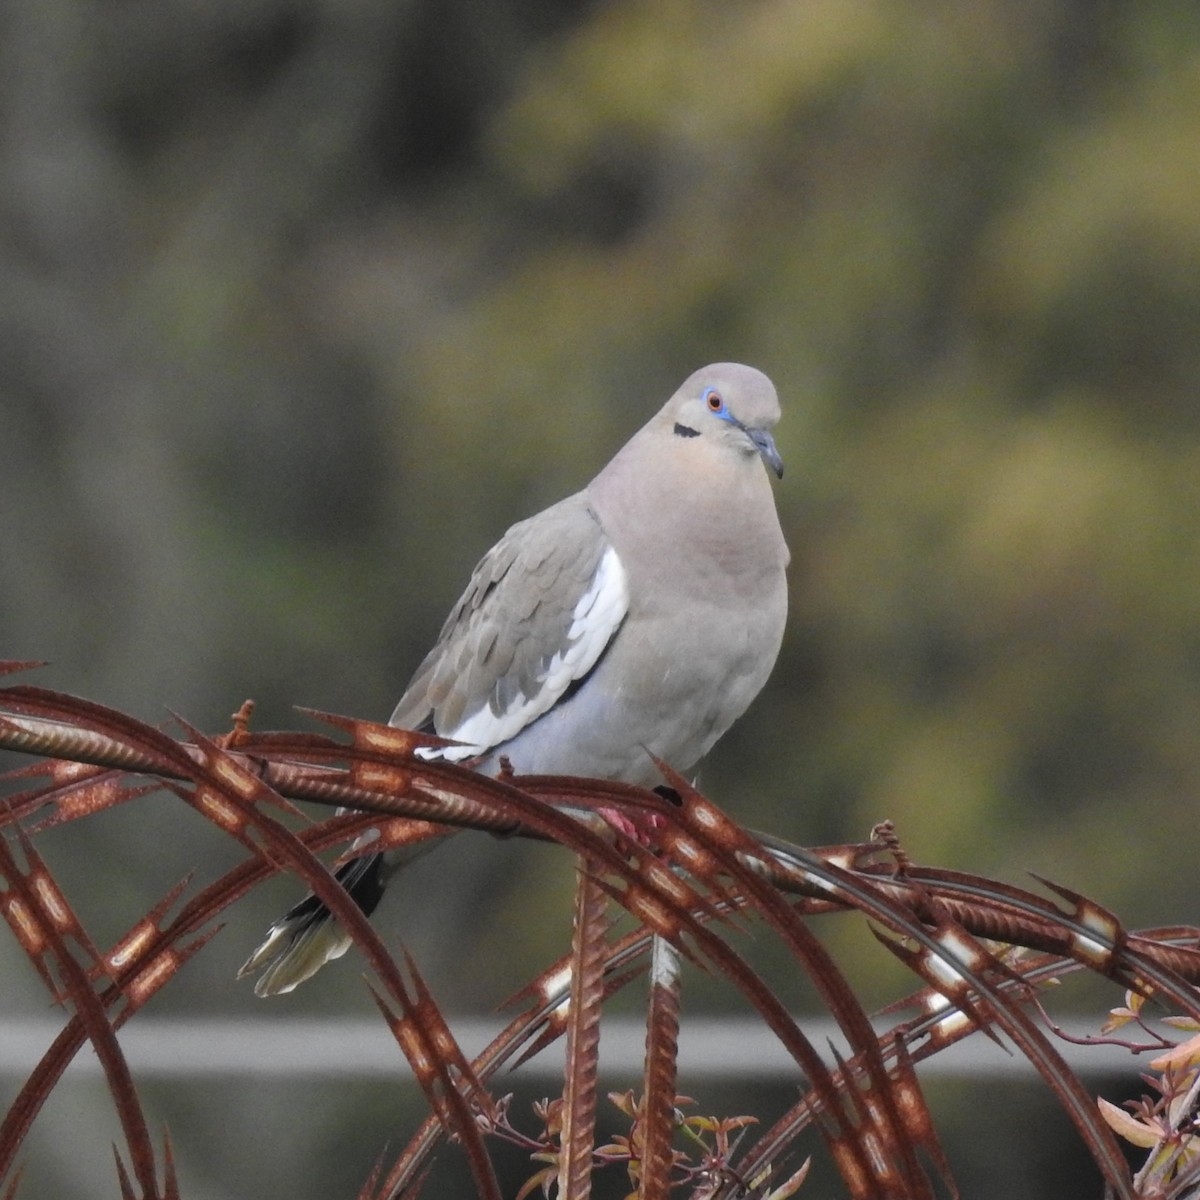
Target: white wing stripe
594, 620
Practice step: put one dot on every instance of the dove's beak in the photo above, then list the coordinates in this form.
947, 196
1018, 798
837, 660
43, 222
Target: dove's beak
764, 443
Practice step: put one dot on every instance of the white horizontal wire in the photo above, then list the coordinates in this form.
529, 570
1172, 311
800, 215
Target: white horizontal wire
726, 1048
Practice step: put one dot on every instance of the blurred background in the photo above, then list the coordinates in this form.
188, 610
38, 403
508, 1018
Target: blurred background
305, 302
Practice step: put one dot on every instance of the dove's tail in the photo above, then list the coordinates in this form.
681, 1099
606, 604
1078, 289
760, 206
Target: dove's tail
306, 937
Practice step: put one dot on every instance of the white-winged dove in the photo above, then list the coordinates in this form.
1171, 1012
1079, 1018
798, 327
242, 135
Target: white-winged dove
639, 616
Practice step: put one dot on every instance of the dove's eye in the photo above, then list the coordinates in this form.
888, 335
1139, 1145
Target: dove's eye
713, 399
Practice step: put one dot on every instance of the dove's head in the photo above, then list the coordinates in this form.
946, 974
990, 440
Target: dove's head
730, 404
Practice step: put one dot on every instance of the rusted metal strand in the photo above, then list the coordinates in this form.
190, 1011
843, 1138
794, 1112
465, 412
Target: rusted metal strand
424, 799
661, 1070
588, 952
295, 781
931, 900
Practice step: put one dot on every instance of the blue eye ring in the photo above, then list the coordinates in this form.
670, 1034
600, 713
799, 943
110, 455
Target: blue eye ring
713, 401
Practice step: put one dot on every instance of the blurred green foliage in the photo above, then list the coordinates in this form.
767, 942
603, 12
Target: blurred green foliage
304, 303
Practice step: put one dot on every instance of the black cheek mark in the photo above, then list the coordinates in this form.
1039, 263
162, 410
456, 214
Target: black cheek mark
686, 431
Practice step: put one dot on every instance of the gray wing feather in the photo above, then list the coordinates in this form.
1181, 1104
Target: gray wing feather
513, 624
